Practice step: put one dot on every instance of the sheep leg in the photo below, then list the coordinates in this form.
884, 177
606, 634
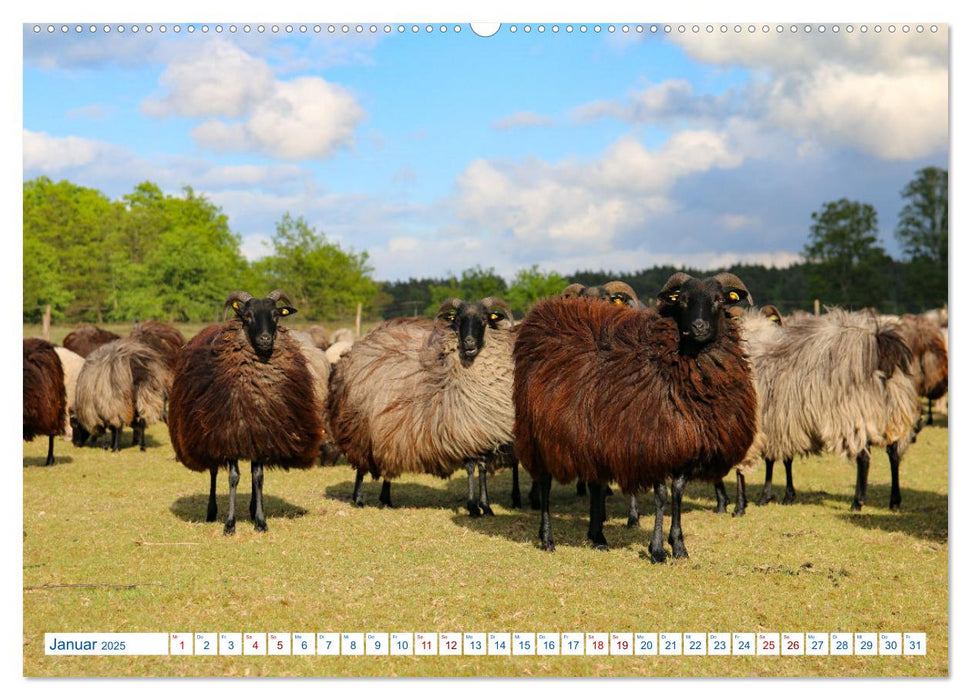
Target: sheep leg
116, 439
385, 497
256, 499
358, 497
862, 471
721, 497
483, 490
230, 528
581, 487
741, 501
534, 503
894, 454
141, 434
930, 412
50, 451
598, 511
470, 503
517, 500
545, 530
676, 537
211, 509
790, 496
633, 516
658, 554
767, 496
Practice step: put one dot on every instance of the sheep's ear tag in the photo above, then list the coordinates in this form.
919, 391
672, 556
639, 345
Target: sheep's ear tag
287, 310
618, 299
496, 316
236, 306
733, 296
672, 297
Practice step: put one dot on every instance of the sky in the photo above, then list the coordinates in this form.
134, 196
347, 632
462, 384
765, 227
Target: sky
439, 151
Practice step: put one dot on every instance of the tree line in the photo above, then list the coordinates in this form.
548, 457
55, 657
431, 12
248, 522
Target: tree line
153, 255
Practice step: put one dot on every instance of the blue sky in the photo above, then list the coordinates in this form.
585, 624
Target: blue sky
439, 151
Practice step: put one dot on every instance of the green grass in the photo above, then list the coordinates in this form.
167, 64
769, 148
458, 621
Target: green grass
133, 525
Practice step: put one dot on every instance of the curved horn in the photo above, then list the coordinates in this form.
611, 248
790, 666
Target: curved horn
616, 286
452, 303
730, 281
674, 281
498, 303
234, 297
279, 295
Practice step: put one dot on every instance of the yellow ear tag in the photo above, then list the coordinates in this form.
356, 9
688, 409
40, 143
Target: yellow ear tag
284, 312
733, 296
672, 297
618, 301
236, 305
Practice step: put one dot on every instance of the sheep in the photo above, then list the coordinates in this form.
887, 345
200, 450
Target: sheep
166, 339
86, 339
336, 351
124, 382
345, 335
45, 400
319, 365
243, 390
72, 364
839, 383
928, 344
634, 395
428, 396
319, 337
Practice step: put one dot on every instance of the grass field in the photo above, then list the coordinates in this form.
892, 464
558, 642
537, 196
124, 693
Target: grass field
119, 543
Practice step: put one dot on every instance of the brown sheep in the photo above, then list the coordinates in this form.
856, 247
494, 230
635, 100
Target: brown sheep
45, 400
87, 339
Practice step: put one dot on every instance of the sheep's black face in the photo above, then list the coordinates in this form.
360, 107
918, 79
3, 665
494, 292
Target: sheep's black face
698, 307
260, 318
468, 321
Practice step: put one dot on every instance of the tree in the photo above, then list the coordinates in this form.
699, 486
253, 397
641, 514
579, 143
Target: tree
476, 283
530, 285
323, 280
922, 230
845, 260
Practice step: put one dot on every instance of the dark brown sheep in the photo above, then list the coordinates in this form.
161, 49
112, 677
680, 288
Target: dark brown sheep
166, 339
243, 391
634, 395
45, 400
86, 339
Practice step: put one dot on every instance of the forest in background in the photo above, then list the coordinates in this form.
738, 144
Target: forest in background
175, 258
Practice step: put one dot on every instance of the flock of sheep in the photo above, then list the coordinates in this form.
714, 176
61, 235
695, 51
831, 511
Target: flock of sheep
591, 386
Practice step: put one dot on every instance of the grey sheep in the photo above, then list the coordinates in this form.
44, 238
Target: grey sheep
416, 395
72, 364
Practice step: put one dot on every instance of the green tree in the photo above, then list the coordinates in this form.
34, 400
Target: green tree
922, 230
530, 285
846, 263
323, 280
474, 284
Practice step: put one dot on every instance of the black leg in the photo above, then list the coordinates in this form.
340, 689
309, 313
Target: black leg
233, 483
721, 497
595, 531
658, 555
633, 517
483, 488
211, 509
545, 531
50, 451
534, 502
930, 412
894, 456
385, 497
358, 497
581, 487
767, 489
862, 471
741, 501
141, 434
790, 496
517, 500
676, 538
259, 517
470, 503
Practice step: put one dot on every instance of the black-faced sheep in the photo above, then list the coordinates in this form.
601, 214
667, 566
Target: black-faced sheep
87, 339
839, 383
243, 390
416, 395
45, 401
124, 382
634, 395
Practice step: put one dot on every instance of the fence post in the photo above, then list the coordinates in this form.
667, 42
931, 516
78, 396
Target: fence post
357, 321
816, 307
46, 323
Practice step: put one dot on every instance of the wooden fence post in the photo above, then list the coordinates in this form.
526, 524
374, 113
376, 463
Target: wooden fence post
816, 307
46, 323
357, 321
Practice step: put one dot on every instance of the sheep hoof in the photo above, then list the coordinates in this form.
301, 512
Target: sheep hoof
473, 510
738, 512
678, 551
856, 505
260, 526
720, 509
894, 507
765, 500
547, 546
230, 528
633, 522
49, 462
211, 515
658, 556
789, 499
486, 510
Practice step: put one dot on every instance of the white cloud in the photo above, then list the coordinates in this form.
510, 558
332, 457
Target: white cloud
520, 120
246, 108
45, 153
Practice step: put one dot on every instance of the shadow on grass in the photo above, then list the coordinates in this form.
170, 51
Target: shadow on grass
568, 529
59, 460
922, 514
100, 441
193, 508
